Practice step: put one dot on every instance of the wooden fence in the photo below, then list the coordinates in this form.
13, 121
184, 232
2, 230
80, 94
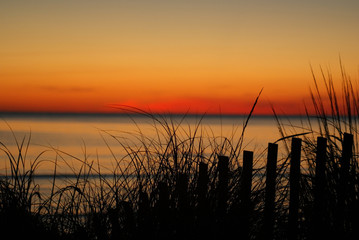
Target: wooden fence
329, 217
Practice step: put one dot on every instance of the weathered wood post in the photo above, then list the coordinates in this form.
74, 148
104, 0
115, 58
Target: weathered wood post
246, 187
270, 191
202, 189
320, 190
294, 177
347, 154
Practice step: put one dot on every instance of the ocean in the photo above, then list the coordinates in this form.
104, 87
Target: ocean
69, 140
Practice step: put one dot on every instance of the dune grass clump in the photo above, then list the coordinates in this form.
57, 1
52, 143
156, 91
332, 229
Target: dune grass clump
20, 198
168, 186
332, 115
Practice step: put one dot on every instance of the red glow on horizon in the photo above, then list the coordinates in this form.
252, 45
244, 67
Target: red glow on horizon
199, 106
212, 106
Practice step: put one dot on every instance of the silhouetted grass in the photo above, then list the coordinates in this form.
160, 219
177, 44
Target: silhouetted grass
20, 198
335, 114
171, 185
152, 191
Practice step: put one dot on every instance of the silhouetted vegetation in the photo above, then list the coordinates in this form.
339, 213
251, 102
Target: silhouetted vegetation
187, 184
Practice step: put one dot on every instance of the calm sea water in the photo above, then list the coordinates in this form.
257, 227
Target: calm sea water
92, 136
71, 139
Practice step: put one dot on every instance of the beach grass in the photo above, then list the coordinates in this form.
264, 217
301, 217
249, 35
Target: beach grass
187, 182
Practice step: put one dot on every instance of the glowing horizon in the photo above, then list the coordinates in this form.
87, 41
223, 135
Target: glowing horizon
171, 56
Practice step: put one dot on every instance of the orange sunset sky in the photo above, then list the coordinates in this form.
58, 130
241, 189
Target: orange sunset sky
175, 56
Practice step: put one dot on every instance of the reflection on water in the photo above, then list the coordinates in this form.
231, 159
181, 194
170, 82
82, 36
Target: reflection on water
69, 140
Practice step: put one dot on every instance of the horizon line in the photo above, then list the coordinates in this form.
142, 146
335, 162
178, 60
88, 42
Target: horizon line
144, 114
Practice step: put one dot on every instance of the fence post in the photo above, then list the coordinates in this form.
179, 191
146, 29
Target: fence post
347, 154
270, 190
320, 190
246, 187
294, 177
202, 188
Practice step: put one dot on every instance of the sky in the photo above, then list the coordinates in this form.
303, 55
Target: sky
197, 56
